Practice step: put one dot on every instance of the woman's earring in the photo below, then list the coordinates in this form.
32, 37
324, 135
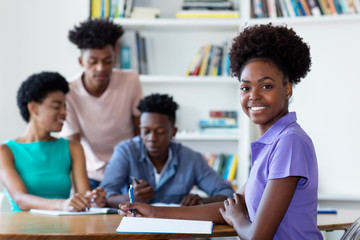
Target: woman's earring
34, 115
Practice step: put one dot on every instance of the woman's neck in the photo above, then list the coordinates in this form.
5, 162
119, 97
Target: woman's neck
34, 134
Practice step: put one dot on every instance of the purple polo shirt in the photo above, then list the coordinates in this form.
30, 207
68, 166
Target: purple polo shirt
286, 150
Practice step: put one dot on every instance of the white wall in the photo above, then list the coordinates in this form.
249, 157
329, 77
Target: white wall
327, 103
34, 38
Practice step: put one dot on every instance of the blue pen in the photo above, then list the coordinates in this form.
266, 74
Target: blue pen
131, 197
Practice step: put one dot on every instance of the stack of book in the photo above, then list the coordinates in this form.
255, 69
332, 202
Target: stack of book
294, 8
220, 122
207, 9
210, 60
224, 164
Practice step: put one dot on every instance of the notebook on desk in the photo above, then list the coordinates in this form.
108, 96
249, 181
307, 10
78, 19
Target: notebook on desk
91, 211
164, 225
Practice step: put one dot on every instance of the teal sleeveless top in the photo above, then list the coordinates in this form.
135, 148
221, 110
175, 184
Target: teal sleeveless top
44, 167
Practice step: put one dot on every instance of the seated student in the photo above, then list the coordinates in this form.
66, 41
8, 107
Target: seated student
36, 168
166, 171
279, 200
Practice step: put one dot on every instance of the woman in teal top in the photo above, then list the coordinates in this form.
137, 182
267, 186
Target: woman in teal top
37, 169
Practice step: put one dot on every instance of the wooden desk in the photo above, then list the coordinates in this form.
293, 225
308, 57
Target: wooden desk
340, 221
27, 226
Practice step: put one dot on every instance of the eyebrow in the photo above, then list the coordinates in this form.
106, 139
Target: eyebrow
259, 80
94, 57
56, 101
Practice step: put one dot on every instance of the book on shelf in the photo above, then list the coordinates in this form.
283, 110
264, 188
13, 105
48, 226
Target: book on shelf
145, 12
208, 14
220, 119
110, 8
293, 8
208, 5
124, 57
224, 164
210, 60
141, 53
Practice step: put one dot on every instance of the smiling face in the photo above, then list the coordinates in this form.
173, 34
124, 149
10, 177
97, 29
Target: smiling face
98, 64
156, 131
264, 93
50, 114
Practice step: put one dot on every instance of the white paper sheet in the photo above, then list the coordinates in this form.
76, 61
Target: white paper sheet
62, 213
163, 225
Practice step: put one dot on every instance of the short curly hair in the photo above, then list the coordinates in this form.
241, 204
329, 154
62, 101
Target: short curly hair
280, 44
95, 34
159, 103
36, 87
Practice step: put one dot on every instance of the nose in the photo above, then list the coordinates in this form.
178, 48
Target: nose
63, 111
254, 95
152, 136
100, 67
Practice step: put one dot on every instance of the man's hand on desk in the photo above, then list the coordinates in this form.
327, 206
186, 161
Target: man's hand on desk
191, 200
143, 191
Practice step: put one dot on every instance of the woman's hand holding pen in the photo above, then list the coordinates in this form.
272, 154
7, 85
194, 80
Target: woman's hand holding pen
76, 203
140, 209
143, 191
97, 197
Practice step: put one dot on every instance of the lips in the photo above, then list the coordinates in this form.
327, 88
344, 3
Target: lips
101, 77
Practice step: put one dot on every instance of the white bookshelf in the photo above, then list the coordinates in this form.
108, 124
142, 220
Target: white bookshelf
173, 42
187, 80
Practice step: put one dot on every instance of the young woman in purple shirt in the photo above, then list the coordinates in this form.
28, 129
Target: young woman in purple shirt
279, 201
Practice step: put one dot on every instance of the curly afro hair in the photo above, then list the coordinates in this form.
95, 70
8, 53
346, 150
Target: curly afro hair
95, 34
159, 103
277, 43
36, 87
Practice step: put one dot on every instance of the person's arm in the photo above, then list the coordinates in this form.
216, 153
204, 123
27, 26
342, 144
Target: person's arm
207, 212
143, 192
194, 199
272, 208
136, 122
116, 175
25, 201
210, 182
80, 177
75, 137
78, 166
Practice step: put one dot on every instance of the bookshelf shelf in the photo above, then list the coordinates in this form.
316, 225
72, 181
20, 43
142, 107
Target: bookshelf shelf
207, 137
179, 24
187, 80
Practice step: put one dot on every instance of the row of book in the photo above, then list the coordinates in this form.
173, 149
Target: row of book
220, 119
207, 9
210, 60
125, 55
120, 9
294, 8
224, 164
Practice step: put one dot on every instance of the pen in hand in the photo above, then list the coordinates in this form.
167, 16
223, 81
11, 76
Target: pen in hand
131, 197
134, 179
